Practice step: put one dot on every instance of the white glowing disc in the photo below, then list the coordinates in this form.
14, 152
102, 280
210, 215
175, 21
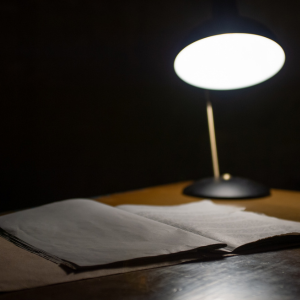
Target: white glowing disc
229, 61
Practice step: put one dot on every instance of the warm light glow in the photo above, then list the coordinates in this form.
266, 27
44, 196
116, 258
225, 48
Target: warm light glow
229, 61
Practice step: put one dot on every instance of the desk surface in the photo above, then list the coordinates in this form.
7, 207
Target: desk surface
273, 275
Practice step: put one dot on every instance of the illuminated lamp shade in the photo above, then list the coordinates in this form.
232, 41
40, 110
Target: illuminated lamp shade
227, 52
229, 61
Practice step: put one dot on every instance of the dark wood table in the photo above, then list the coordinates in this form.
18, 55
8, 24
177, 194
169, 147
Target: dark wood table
272, 275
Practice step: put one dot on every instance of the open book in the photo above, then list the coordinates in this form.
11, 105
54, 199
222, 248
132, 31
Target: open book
81, 233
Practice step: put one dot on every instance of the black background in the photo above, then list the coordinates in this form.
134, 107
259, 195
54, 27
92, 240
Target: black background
90, 104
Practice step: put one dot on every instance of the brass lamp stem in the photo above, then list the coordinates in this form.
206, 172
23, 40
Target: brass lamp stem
212, 136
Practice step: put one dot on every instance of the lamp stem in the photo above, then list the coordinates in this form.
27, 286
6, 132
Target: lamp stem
212, 136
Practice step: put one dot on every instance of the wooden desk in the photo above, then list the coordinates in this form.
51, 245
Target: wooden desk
272, 275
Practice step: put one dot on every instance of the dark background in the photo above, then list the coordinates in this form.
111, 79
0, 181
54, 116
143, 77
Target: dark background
90, 104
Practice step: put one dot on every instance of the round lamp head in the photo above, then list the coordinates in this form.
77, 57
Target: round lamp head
228, 51
229, 61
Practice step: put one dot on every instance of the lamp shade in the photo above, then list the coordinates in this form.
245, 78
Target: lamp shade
229, 52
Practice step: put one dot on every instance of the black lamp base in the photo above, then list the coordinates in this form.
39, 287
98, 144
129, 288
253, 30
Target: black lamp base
231, 188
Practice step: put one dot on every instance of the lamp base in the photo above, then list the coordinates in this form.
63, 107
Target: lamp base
229, 188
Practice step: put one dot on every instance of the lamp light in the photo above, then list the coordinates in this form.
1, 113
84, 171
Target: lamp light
229, 61
227, 52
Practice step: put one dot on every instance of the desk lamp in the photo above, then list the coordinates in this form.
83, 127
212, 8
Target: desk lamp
227, 52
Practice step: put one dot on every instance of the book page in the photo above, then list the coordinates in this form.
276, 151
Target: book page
228, 224
88, 233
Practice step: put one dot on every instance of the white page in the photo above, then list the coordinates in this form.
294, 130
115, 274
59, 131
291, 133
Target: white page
89, 233
227, 224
